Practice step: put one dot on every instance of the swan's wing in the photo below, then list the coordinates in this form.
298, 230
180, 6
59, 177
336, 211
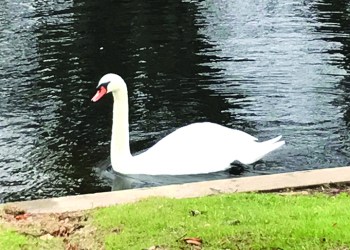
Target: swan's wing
196, 148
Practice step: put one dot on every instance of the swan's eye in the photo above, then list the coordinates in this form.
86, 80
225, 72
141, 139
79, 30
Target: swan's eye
104, 84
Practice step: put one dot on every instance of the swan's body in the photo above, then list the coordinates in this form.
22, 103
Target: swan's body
193, 149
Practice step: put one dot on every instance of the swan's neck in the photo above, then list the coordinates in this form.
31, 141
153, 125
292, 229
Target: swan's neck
120, 147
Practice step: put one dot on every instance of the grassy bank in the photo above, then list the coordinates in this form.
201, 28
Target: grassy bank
236, 221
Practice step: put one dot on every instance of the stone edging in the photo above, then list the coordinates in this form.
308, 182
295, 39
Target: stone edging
187, 190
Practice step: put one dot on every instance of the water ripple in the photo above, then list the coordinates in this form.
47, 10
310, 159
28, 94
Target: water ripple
266, 67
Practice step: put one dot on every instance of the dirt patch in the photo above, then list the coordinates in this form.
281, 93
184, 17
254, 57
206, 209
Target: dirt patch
73, 230
328, 189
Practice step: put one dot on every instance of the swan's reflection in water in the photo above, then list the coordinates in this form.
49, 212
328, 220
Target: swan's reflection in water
119, 181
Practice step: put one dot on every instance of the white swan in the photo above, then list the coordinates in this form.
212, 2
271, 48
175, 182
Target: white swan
193, 149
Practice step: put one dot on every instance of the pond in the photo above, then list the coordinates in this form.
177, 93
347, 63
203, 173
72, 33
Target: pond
266, 67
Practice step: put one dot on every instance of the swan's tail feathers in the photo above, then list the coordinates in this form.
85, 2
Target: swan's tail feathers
263, 148
273, 144
276, 139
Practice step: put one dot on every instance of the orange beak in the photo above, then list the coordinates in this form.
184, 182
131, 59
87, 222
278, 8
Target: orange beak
100, 92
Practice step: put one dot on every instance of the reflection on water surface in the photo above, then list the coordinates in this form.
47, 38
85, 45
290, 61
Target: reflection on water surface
267, 68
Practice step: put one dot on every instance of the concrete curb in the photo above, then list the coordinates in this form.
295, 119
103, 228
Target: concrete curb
197, 189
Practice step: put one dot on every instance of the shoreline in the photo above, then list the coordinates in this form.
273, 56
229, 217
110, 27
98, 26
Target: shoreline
264, 183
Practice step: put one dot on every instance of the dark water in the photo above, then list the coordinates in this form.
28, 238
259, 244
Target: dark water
267, 67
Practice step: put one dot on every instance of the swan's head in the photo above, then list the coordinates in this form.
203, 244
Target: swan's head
108, 83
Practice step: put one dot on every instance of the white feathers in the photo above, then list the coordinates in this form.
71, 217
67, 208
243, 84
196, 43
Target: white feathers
193, 149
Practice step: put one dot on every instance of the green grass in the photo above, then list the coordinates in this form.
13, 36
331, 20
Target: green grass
236, 221
11, 240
